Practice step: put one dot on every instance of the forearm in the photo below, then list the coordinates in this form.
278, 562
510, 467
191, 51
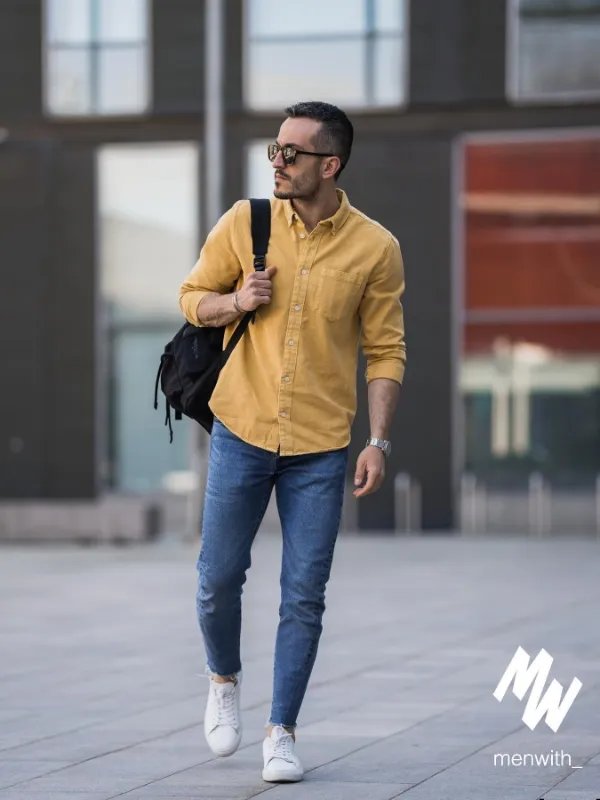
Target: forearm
217, 309
383, 396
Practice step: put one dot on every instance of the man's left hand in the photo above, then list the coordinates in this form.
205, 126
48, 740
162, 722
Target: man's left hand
370, 470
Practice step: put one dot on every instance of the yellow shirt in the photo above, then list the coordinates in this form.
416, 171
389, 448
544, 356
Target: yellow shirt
290, 384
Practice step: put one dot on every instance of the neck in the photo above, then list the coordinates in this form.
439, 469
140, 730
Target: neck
323, 205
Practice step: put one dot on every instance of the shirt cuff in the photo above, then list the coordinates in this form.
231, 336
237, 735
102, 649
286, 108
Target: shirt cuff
188, 303
392, 368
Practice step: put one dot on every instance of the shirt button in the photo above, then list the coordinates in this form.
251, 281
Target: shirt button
283, 413
290, 342
304, 272
297, 307
286, 378
302, 236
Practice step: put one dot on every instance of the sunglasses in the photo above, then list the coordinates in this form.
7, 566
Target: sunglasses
289, 152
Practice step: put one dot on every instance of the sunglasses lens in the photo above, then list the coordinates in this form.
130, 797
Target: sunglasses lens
287, 153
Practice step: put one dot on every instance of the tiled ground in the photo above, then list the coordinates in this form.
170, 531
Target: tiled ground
102, 687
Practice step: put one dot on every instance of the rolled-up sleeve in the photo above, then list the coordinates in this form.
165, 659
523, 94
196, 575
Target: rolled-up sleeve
382, 318
217, 269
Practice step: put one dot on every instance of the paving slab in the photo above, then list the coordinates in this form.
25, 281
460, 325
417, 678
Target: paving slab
102, 688
20, 794
342, 790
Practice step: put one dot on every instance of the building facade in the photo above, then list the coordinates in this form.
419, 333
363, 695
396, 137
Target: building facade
477, 142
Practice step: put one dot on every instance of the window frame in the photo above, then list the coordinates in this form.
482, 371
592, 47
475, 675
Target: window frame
146, 41
366, 108
458, 261
107, 330
512, 66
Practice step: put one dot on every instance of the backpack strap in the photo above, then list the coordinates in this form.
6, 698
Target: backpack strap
260, 211
260, 222
160, 369
168, 419
260, 215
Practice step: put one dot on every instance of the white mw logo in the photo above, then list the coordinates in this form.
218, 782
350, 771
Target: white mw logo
550, 703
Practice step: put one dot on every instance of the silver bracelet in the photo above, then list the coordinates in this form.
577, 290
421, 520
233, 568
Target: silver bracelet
236, 304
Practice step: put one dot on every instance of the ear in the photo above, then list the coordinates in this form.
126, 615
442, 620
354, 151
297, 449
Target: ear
330, 166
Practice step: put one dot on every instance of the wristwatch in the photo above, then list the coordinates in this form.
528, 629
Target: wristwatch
382, 444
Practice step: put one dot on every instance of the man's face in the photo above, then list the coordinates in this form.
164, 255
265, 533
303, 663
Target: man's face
302, 178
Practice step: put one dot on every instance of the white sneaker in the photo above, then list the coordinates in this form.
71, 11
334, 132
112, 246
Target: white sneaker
222, 722
281, 763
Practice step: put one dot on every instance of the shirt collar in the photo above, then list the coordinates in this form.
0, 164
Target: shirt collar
335, 222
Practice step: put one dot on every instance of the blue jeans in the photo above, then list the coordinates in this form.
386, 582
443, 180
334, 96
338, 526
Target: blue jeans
309, 490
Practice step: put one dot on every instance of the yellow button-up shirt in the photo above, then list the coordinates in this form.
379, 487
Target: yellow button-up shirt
289, 385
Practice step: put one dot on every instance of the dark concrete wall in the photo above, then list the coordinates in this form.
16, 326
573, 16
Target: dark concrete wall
47, 345
404, 183
23, 259
457, 52
70, 321
20, 60
178, 56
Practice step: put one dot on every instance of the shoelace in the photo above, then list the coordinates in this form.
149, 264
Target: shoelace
284, 747
226, 711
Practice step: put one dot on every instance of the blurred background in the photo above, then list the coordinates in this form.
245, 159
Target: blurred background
128, 126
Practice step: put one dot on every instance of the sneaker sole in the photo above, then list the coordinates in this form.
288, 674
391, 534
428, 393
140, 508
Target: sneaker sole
273, 776
224, 753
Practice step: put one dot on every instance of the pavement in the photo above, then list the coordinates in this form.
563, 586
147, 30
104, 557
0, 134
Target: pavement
102, 688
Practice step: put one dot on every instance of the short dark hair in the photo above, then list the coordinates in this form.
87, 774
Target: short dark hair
336, 132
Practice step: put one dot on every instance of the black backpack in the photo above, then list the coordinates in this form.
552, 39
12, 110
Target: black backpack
192, 360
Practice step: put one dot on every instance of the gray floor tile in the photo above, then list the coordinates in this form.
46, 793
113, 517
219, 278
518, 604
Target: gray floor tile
416, 635
12, 772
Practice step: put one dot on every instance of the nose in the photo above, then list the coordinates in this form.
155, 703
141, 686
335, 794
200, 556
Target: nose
278, 162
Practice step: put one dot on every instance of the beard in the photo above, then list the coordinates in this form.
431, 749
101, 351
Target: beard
301, 188
282, 194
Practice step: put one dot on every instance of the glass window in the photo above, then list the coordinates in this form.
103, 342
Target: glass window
387, 64
389, 16
68, 85
274, 18
68, 21
121, 79
348, 52
148, 212
338, 70
96, 57
530, 374
553, 49
121, 20
259, 170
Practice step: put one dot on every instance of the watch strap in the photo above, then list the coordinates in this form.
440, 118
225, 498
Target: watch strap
382, 444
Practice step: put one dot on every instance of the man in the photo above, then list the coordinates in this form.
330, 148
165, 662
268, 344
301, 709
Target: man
284, 404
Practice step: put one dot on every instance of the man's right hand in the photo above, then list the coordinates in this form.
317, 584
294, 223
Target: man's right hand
256, 290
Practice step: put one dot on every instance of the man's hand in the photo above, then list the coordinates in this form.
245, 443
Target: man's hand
370, 470
256, 290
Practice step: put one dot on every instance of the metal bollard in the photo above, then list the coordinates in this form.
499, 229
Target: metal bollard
539, 504
407, 503
598, 506
473, 505
468, 503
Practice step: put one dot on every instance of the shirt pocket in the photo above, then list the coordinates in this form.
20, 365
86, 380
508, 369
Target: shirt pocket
338, 293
